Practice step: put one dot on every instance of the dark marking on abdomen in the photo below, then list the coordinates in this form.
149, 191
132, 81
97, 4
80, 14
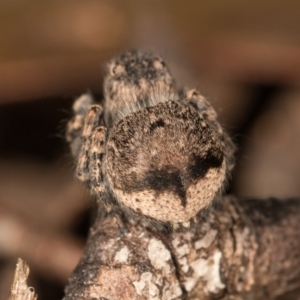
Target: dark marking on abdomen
200, 165
166, 179
156, 124
170, 179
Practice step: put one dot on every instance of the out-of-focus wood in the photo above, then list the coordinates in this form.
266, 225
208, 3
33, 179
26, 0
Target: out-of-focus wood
54, 256
44, 196
53, 28
52, 47
270, 163
32, 79
251, 42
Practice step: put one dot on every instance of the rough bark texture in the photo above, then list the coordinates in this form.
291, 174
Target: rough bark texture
238, 250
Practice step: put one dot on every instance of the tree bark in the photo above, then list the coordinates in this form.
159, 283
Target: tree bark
238, 249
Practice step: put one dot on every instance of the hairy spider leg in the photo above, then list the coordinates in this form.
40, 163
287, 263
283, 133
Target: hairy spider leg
199, 102
75, 125
91, 122
96, 153
73, 133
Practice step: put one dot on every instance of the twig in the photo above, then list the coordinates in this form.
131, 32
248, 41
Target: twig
19, 289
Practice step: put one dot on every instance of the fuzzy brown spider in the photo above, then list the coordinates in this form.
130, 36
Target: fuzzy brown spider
158, 151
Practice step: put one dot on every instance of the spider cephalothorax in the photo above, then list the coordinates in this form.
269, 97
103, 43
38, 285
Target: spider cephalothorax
158, 152
135, 80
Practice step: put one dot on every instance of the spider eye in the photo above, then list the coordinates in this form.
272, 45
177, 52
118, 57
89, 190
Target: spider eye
195, 93
159, 64
116, 69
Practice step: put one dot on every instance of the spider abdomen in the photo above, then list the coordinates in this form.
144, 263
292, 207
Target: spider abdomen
165, 162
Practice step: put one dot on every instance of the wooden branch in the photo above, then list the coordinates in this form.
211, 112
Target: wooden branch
19, 289
238, 250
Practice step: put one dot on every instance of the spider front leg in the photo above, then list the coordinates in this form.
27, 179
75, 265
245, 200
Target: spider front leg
199, 102
87, 141
195, 99
75, 125
92, 149
97, 152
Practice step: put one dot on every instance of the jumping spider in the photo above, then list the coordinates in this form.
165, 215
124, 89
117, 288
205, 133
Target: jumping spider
158, 151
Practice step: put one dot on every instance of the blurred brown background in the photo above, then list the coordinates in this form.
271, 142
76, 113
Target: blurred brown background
244, 56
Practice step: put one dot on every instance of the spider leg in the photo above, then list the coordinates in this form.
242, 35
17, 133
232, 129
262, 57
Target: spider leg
97, 149
87, 141
91, 122
195, 99
75, 125
199, 102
